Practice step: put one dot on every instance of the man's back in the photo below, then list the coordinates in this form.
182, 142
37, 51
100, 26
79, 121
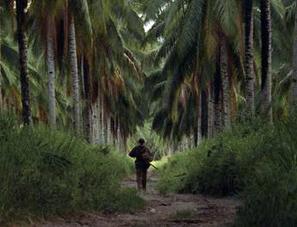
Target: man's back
142, 155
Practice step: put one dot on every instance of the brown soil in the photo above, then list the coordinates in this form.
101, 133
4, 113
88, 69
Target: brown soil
160, 210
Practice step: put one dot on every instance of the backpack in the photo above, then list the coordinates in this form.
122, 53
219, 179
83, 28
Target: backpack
146, 155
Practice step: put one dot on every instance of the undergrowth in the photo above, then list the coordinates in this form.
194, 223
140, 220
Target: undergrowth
45, 172
270, 193
257, 162
217, 166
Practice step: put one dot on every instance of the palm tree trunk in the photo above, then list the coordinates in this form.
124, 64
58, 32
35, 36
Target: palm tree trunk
102, 121
23, 59
87, 96
266, 85
121, 143
217, 85
204, 114
75, 77
249, 58
210, 112
225, 85
199, 132
95, 122
294, 79
118, 131
108, 130
51, 75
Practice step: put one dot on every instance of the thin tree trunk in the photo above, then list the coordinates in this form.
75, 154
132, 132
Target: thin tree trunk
294, 77
122, 144
75, 77
210, 112
102, 121
226, 86
113, 132
204, 114
23, 59
51, 76
249, 58
125, 144
199, 132
88, 102
118, 131
108, 130
96, 122
217, 85
82, 79
266, 85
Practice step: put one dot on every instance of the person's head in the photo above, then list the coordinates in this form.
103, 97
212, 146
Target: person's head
141, 141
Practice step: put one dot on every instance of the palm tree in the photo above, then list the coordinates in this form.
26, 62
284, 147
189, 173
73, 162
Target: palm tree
50, 57
12, 98
192, 34
249, 59
87, 95
266, 85
217, 84
210, 111
111, 63
74, 75
114, 71
23, 60
78, 15
225, 83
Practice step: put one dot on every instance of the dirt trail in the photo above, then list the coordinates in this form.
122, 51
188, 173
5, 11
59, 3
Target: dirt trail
170, 210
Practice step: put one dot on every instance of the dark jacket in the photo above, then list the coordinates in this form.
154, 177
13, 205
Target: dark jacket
137, 152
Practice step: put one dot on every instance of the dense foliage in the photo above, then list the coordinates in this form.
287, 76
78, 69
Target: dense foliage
53, 173
257, 162
177, 72
269, 197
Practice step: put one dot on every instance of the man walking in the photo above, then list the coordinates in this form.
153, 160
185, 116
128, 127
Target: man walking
143, 158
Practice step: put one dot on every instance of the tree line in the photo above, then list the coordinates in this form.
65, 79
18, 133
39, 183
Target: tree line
220, 61
199, 66
77, 66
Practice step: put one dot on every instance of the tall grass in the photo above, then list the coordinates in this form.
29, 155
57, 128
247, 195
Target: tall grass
217, 167
270, 194
45, 172
256, 161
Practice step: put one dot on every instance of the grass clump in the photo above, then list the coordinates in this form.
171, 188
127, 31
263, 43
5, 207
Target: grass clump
45, 172
175, 173
216, 167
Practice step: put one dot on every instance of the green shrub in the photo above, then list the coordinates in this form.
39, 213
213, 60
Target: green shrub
175, 174
217, 166
45, 172
259, 163
270, 195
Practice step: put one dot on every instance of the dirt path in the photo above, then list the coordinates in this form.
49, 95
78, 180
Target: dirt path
170, 210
